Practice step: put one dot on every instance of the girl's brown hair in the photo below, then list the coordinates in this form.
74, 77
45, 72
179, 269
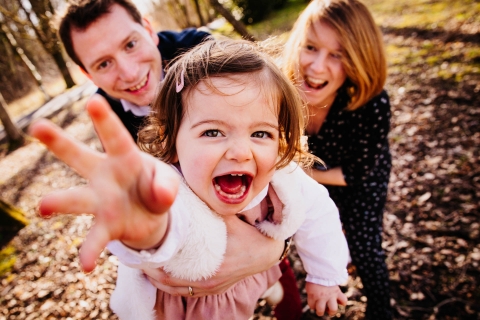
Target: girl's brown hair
223, 58
363, 55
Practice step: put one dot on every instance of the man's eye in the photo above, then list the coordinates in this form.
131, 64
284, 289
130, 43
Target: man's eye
131, 44
261, 134
211, 133
103, 65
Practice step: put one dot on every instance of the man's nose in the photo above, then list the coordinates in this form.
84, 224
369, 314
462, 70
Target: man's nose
128, 69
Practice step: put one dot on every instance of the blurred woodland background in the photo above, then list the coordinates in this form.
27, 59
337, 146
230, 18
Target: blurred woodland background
432, 218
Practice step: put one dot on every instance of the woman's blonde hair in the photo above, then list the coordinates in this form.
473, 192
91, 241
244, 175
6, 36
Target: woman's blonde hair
224, 58
363, 55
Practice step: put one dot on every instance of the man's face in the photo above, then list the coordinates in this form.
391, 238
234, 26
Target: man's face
121, 56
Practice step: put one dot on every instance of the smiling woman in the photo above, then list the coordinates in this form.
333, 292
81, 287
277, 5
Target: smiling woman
335, 55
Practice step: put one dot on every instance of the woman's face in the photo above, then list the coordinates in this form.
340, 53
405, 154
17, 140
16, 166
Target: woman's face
321, 69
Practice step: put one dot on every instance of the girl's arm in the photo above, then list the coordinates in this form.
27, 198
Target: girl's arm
320, 241
128, 191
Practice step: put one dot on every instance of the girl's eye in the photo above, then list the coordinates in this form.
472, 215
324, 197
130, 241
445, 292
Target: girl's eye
211, 133
261, 135
310, 47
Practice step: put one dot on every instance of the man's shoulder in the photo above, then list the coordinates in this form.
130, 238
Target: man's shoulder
174, 42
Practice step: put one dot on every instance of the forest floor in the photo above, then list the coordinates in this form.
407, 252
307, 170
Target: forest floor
431, 221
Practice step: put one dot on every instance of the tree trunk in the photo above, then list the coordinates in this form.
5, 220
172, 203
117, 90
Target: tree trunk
15, 136
47, 36
199, 12
21, 53
237, 25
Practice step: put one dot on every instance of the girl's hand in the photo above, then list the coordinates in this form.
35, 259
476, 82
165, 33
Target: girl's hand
324, 299
248, 252
128, 191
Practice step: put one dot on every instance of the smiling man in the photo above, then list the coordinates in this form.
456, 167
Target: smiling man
121, 53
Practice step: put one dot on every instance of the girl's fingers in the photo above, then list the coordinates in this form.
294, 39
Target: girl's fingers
74, 153
158, 188
342, 299
114, 136
332, 307
78, 200
96, 240
320, 308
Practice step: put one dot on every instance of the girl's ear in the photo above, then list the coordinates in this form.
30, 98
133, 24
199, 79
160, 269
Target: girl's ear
175, 158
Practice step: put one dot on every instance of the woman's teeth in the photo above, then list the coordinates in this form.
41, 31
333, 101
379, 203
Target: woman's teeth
139, 86
315, 83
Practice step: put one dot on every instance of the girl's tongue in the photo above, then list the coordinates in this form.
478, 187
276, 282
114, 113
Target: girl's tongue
231, 184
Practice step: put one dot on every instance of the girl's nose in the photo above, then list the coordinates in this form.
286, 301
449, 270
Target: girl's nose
239, 150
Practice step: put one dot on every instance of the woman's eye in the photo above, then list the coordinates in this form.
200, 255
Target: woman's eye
310, 48
211, 133
261, 134
336, 55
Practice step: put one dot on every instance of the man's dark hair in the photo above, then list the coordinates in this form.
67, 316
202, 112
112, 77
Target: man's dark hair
80, 14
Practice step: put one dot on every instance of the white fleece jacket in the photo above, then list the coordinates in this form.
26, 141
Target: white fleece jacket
196, 242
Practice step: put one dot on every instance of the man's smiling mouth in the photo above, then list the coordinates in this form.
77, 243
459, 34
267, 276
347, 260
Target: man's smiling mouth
140, 85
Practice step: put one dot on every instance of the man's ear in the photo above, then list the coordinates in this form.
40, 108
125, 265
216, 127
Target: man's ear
85, 73
148, 26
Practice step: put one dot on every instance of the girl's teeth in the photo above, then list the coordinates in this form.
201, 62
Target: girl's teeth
231, 196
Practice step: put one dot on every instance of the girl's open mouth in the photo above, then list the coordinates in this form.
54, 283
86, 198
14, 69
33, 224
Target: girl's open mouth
232, 188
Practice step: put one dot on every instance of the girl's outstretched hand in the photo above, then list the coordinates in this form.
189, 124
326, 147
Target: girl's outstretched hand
128, 191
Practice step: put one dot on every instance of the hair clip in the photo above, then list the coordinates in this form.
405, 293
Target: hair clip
180, 85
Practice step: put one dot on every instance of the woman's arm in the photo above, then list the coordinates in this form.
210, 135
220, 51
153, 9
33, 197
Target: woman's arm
248, 252
332, 176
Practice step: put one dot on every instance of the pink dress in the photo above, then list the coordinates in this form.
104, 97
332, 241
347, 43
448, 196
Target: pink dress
237, 303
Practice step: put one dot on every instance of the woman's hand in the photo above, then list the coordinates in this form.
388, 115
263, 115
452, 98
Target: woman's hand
332, 176
128, 191
248, 252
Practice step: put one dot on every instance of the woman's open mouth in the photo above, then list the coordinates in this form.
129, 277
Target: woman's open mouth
315, 83
232, 188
